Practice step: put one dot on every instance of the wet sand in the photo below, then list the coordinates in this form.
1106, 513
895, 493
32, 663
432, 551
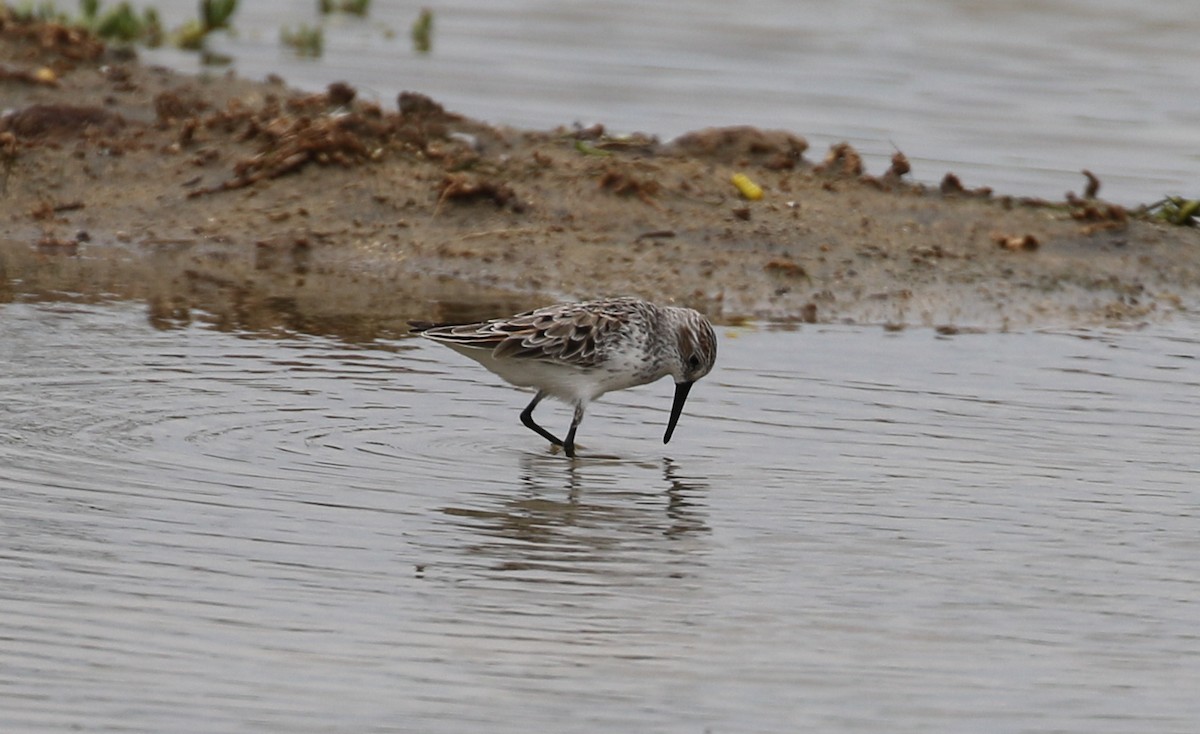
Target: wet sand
262, 207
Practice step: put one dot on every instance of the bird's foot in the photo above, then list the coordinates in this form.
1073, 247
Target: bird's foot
568, 449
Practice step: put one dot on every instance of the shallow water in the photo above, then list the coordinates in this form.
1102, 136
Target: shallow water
1016, 96
851, 531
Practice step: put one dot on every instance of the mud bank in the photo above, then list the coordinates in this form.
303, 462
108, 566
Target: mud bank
265, 207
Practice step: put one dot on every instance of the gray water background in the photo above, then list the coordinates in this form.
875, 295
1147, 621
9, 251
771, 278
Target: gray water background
1018, 96
852, 531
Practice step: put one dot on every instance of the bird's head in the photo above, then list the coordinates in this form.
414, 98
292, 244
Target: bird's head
695, 355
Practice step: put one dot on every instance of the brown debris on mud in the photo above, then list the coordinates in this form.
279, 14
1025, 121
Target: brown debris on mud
210, 179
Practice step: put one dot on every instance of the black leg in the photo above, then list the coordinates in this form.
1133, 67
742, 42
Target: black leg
569, 446
527, 419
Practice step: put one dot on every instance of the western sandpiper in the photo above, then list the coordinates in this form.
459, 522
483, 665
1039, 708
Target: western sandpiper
576, 352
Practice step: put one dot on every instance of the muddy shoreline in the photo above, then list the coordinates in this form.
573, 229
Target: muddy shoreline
261, 207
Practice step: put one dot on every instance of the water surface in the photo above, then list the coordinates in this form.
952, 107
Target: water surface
852, 531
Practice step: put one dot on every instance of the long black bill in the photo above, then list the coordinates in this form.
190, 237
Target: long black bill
681, 393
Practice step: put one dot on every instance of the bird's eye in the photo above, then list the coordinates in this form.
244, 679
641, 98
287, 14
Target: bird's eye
693, 362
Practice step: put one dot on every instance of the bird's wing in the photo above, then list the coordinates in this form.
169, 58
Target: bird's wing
562, 334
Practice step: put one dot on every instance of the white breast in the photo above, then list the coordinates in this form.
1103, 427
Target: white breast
563, 381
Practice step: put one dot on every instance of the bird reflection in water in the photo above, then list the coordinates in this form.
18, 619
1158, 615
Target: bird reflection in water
577, 518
